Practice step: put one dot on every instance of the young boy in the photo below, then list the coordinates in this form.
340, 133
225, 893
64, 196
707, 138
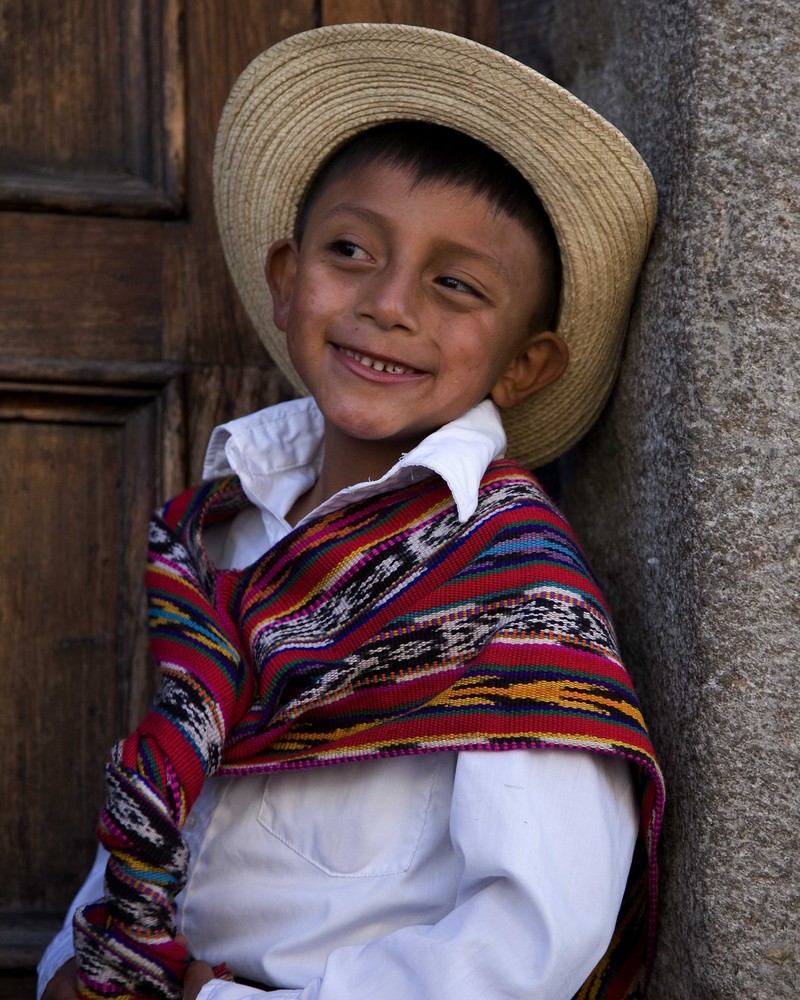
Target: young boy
391, 752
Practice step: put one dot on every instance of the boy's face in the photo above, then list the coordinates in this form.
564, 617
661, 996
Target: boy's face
405, 306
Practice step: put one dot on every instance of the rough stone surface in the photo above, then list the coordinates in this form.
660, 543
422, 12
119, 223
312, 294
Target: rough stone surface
687, 492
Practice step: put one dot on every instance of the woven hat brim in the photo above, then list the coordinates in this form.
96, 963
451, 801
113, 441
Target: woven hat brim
306, 96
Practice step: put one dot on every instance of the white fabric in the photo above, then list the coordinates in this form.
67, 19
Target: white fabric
447, 876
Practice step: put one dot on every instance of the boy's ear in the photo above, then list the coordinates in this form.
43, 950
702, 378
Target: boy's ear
280, 270
539, 364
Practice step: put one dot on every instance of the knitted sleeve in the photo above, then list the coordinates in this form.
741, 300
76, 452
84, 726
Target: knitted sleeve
125, 943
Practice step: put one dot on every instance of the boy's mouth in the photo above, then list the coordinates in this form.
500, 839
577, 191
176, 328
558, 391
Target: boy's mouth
377, 365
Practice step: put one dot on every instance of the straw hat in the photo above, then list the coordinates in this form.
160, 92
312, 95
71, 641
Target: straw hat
303, 98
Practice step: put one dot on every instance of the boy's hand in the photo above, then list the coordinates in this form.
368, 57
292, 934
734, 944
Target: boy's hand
64, 984
197, 975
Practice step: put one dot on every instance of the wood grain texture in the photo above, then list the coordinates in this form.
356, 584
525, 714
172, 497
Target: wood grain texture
75, 671
475, 19
204, 321
93, 120
80, 287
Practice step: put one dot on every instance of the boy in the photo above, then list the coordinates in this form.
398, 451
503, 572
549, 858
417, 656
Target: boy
349, 627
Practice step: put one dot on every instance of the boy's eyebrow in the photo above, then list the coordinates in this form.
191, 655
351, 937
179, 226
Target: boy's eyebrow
451, 246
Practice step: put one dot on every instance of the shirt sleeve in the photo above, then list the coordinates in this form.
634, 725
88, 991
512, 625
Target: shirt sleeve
61, 949
545, 840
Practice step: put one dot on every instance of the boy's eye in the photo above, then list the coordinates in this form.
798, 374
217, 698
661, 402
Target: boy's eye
448, 281
346, 248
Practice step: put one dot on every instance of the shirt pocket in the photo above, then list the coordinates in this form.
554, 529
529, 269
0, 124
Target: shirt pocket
353, 820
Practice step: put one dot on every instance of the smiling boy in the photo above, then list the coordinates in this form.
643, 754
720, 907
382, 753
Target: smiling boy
394, 753
408, 301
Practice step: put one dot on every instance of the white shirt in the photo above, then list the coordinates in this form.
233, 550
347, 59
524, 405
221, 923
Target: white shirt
449, 876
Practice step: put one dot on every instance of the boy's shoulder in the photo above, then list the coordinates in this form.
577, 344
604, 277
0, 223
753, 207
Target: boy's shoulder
526, 524
509, 486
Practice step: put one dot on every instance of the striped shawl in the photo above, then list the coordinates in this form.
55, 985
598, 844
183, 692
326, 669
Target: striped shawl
385, 628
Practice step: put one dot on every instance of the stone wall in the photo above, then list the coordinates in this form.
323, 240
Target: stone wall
687, 492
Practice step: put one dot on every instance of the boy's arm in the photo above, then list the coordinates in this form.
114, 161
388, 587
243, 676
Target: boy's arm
61, 949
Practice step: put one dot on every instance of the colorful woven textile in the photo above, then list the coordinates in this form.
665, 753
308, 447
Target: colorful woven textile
384, 628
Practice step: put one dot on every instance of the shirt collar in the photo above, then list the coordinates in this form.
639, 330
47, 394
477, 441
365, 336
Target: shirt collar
277, 454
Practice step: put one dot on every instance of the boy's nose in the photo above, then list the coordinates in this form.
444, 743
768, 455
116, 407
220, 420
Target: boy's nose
390, 299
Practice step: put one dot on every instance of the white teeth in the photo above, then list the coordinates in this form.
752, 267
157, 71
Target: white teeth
378, 366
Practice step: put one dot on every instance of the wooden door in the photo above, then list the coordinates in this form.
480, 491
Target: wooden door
121, 344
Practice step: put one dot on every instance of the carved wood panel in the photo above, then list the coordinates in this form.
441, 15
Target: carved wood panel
75, 670
92, 118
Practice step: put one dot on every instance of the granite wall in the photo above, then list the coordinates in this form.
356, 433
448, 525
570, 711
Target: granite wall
686, 493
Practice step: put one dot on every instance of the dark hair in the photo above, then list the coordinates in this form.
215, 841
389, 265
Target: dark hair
437, 153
